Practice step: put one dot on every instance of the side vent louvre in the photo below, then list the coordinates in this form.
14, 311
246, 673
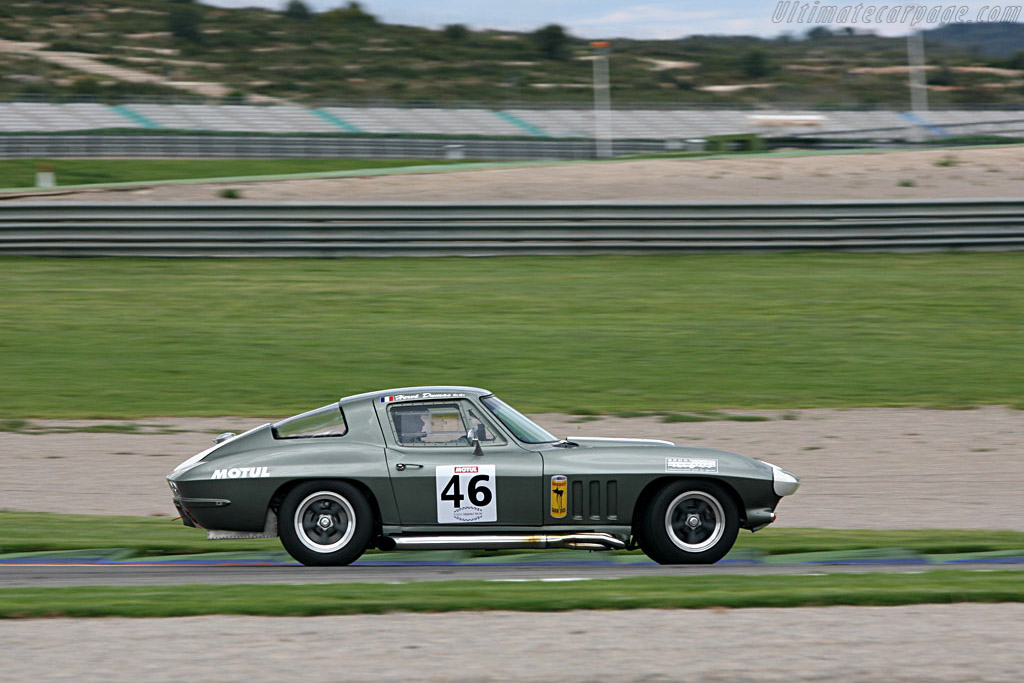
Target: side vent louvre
576, 501
612, 500
595, 501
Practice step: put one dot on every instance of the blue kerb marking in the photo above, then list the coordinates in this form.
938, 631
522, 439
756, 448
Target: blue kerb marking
879, 561
989, 560
336, 120
918, 121
135, 117
528, 127
101, 561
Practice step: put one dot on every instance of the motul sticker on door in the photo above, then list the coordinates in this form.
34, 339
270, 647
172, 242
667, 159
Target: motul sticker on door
466, 494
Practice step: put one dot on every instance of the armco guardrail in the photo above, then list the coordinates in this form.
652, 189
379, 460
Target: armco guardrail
356, 229
13, 146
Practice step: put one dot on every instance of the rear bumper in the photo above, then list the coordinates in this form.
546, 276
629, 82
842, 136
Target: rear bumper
186, 518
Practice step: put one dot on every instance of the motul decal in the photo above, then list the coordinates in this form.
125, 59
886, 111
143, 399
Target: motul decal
241, 473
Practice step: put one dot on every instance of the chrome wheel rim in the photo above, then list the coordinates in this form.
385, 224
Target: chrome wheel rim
325, 522
695, 521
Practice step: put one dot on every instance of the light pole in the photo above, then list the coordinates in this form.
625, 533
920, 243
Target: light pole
602, 100
918, 84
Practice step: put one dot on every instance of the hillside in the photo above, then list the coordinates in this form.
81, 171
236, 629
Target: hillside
132, 48
989, 40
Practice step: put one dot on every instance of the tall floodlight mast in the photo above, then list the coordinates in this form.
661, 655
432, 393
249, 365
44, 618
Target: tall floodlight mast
602, 100
918, 85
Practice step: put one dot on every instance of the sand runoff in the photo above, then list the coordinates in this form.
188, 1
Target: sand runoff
939, 643
871, 468
985, 172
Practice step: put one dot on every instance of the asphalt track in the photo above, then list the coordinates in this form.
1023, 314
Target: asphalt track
15, 575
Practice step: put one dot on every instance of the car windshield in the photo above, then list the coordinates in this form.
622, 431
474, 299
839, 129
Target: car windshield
326, 421
523, 427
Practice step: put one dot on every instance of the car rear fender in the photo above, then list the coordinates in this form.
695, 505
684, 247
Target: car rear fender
285, 488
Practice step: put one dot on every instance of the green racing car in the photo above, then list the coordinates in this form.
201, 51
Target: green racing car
450, 467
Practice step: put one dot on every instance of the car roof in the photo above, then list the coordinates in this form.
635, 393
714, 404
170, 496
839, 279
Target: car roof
411, 391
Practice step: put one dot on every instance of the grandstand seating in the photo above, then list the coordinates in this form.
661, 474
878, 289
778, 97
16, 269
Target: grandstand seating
637, 124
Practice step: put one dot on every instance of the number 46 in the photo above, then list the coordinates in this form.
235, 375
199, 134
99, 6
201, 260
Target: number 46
478, 495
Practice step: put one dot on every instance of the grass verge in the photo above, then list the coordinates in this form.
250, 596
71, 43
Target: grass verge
24, 532
17, 173
633, 593
601, 334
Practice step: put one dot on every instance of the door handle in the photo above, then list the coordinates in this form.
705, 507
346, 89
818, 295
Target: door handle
402, 465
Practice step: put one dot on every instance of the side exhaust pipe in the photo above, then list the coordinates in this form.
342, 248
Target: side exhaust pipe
586, 540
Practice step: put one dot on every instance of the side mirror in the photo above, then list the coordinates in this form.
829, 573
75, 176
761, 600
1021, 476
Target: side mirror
474, 441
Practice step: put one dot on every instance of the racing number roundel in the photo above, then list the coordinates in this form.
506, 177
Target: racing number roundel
466, 493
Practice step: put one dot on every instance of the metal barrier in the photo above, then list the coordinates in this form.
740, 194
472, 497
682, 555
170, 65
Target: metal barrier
490, 229
279, 147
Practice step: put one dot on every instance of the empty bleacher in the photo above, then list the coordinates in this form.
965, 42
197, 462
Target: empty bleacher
634, 124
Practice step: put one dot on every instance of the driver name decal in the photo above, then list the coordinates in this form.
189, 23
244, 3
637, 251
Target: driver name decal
426, 395
708, 465
466, 493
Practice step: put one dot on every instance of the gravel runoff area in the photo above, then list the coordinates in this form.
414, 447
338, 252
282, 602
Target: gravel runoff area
963, 642
984, 172
872, 468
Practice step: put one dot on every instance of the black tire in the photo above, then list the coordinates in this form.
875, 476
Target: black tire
689, 522
325, 523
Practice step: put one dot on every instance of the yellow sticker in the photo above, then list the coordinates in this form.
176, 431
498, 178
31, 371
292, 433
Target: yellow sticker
559, 494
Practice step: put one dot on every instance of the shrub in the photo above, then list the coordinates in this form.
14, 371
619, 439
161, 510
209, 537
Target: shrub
944, 76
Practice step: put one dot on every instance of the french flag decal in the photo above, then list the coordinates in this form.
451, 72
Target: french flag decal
387, 399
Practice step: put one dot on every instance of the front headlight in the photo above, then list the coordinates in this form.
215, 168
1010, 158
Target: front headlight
784, 483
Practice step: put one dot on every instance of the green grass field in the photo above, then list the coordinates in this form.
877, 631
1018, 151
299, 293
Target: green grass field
16, 173
947, 586
142, 337
26, 532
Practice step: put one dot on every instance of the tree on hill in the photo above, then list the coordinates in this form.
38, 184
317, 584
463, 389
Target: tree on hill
755, 64
552, 41
296, 9
183, 22
456, 32
352, 13
1016, 61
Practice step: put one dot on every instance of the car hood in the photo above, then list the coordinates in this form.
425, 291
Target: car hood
601, 442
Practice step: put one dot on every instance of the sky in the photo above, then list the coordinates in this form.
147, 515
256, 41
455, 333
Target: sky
610, 19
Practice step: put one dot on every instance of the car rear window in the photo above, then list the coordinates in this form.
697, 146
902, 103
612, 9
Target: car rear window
326, 421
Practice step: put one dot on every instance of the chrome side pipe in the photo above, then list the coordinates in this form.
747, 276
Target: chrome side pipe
587, 540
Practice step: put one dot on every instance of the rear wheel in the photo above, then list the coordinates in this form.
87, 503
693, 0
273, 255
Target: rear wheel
325, 523
689, 522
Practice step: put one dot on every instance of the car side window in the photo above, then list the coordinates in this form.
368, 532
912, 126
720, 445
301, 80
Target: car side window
482, 430
438, 424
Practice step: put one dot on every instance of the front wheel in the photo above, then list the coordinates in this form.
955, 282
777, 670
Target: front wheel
690, 522
325, 523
